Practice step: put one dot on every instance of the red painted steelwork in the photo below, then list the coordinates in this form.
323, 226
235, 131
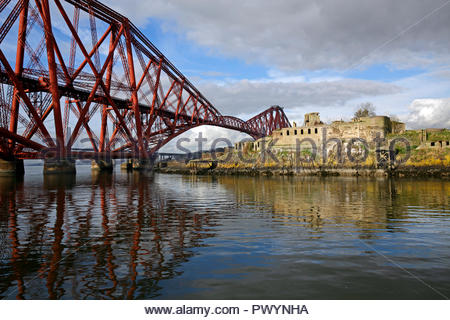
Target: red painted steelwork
140, 100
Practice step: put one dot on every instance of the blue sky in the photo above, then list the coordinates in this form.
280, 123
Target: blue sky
304, 55
307, 56
195, 60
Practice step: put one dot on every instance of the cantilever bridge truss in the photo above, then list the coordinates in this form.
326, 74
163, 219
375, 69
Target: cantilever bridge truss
74, 70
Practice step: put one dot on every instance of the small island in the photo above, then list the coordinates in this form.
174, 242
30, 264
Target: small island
368, 145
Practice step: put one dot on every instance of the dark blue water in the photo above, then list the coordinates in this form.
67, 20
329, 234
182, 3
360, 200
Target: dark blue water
198, 237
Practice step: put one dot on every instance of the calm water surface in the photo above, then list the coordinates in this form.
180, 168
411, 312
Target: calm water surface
130, 236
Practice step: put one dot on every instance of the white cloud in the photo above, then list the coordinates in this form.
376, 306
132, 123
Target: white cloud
429, 113
308, 34
210, 133
246, 97
333, 99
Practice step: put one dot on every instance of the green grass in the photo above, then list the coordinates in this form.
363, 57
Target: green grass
412, 136
439, 136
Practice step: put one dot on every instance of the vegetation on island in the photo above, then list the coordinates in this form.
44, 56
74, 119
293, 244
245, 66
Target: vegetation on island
366, 109
417, 155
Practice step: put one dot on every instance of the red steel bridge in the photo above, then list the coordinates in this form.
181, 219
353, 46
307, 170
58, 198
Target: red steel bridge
78, 70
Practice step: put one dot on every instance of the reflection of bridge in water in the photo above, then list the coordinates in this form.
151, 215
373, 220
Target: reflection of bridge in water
118, 88
116, 242
126, 236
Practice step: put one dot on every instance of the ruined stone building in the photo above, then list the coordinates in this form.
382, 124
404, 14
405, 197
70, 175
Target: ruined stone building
434, 138
314, 130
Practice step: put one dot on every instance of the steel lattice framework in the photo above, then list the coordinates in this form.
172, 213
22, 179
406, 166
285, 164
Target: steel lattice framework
80, 64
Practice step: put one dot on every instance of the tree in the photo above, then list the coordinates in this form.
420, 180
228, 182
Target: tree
366, 109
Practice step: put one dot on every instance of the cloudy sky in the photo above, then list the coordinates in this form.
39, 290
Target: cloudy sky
307, 55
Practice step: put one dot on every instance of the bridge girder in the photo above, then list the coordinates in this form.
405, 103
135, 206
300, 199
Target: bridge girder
118, 82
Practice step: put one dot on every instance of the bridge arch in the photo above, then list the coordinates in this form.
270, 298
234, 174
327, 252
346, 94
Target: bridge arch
141, 99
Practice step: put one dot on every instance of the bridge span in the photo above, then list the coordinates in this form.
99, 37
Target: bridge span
73, 70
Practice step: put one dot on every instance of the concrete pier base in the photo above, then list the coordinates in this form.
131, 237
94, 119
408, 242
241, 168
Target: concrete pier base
142, 165
59, 166
102, 165
10, 168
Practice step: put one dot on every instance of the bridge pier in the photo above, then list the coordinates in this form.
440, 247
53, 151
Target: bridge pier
102, 165
31, 84
11, 167
59, 166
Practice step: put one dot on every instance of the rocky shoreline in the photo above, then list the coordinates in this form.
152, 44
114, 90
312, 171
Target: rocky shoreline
402, 171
